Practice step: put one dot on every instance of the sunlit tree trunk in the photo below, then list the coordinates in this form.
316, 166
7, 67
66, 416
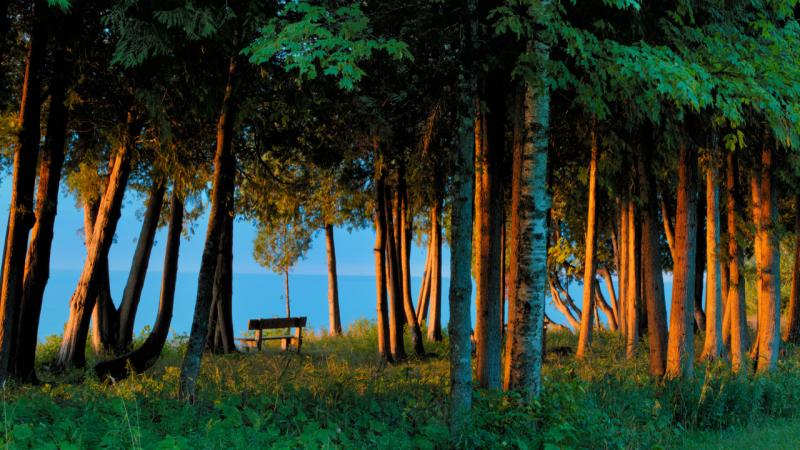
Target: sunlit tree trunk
622, 272
487, 258
651, 268
792, 332
588, 305
700, 261
221, 205
404, 266
334, 318
424, 296
768, 260
396, 312
71, 353
680, 353
712, 348
380, 270
736, 298
143, 357
435, 310
525, 337
21, 214
612, 294
665, 217
138, 272
633, 300
37, 265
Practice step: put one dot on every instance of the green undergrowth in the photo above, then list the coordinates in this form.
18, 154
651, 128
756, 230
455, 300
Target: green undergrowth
337, 394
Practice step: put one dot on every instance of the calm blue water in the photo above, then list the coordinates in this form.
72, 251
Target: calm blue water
254, 295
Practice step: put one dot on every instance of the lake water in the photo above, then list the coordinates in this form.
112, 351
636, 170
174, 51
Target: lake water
254, 295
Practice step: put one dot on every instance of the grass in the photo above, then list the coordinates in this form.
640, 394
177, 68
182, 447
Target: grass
337, 394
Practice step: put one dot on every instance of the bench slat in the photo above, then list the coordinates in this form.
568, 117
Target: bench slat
273, 323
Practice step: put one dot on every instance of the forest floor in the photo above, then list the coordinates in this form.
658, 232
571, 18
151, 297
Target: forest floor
337, 394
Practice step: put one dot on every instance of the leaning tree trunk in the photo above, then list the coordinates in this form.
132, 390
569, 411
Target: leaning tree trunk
141, 259
792, 332
424, 291
529, 205
651, 269
37, 266
72, 351
435, 310
145, 356
105, 320
396, 310
21, 216
680, 353
768, 261
585, 336
380, 271
712, 348
221, 205
334, 317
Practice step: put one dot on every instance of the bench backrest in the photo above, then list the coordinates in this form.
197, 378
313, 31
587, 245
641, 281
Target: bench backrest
275, 323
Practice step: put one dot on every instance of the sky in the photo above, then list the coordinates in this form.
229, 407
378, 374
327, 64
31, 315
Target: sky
353, 249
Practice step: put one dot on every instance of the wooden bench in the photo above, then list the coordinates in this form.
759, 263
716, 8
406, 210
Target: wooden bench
258, 325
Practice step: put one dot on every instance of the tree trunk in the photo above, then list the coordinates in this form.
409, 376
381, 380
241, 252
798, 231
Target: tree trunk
588, 306
612, 294
487, 257
404, 265
424, 291
105, 320
651, 270
37, 266
622, 272
143, 358
221, 205
680, 356
792, 332
72, 351
524, 341
435, 311
223, 292
334, 318
632, 291
601, 302
138, 272
380, 270
396, 310
286, 289
21, 215
712, 348
736, 299
665, 217
700, 262
768, 260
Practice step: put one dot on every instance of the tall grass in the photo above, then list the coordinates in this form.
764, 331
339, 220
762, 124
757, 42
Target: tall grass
338, 394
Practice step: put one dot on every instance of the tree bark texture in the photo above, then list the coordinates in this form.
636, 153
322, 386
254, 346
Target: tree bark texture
334, 317
588, 305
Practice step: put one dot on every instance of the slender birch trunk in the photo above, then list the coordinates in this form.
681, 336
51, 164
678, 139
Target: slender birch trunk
525, 339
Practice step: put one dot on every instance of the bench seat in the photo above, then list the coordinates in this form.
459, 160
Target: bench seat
258, 325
